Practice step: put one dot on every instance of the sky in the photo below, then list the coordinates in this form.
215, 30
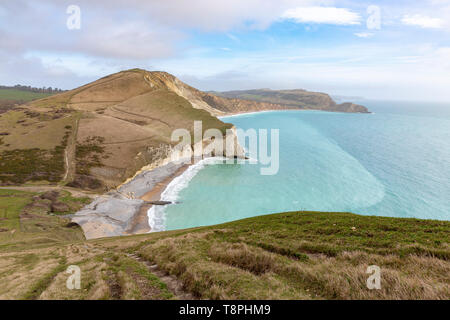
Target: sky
372, 49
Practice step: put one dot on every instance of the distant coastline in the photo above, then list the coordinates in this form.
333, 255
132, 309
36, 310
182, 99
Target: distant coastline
249, 113
301, 110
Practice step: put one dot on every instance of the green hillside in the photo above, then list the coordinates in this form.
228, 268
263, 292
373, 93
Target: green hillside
21, 95
296, 255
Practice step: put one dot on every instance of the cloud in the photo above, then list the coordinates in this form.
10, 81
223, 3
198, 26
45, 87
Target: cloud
129, 29
423, 21
233, 37
363, 69
122, 33
135, 40
179, 36
364, 34
325, 15
32, 71
203, 15
102, 34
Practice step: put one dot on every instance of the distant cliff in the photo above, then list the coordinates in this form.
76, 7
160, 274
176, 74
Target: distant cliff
292, 99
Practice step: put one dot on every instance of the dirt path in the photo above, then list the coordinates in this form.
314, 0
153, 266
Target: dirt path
173, 284
69, 154
66, 160
114, 108
129, 141
74, 192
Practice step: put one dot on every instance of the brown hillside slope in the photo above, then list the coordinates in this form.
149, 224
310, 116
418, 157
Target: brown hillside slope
98, 135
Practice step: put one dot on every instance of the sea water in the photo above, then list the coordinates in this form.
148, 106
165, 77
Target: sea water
394, 162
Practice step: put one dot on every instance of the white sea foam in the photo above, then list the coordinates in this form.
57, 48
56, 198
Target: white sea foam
247, 113
156, 214
268, 111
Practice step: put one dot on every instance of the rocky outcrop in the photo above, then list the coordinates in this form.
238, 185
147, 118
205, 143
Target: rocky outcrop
351, 107
59, 206
107, 216
230, 105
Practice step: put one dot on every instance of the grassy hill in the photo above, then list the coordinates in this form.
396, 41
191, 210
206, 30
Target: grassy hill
98, 135
10, 97
30, 219
296, 255
20, 95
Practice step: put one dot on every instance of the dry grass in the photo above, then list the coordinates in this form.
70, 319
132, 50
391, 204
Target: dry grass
33, 133
284, 256
239, 255
237, 271
309, 256
30, 227
115, 88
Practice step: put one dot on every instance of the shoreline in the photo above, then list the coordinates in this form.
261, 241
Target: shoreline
140, 222
282, 110
124, 211
127, 209
249, 113
176, 183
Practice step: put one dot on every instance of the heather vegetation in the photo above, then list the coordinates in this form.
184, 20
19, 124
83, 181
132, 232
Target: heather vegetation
88, 154
18, 166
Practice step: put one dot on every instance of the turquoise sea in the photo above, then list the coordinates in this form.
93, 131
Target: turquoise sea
394, 162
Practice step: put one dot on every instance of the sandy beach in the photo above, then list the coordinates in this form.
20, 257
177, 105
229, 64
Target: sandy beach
230, 115
124, 211
139, 223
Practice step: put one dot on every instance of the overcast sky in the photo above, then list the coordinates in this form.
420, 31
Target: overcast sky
339, 47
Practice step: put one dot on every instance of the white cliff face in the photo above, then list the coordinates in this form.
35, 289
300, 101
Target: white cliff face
239, 151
